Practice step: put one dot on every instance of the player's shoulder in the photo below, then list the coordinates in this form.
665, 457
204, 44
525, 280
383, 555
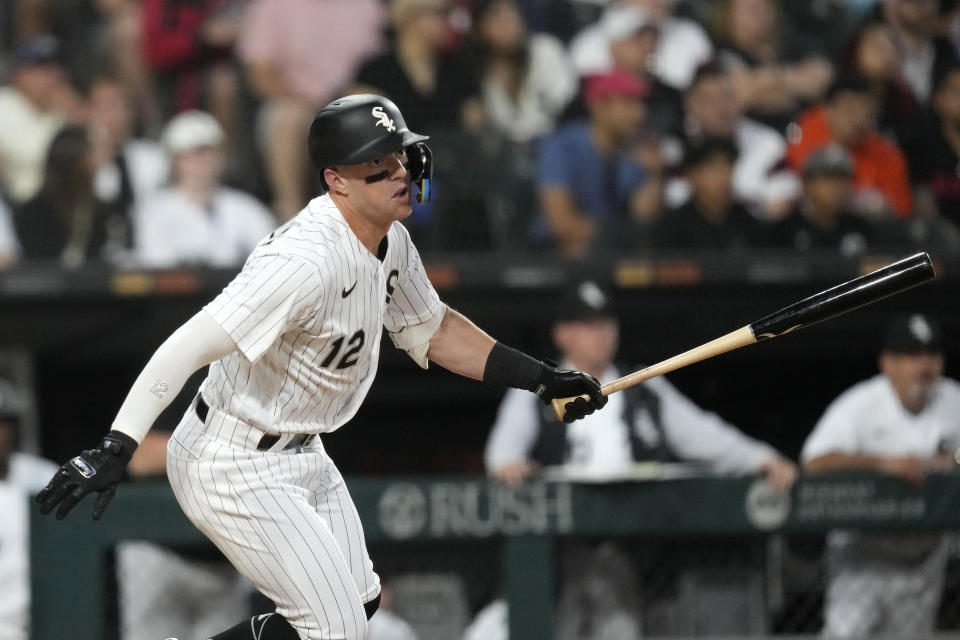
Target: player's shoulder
950, 388
236, 197
312, 236
866, 393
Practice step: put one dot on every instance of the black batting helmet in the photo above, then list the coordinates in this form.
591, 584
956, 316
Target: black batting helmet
360, 128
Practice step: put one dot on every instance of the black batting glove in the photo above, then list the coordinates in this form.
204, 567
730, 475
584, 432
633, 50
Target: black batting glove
100, 469
565, 383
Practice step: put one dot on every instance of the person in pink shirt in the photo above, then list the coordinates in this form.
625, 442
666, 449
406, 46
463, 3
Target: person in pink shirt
298, 55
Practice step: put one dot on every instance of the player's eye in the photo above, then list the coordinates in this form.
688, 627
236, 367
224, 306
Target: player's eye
377, 163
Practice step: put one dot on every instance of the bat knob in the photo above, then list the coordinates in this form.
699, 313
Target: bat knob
560, 405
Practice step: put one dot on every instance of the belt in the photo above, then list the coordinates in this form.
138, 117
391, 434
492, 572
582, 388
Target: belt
269, 440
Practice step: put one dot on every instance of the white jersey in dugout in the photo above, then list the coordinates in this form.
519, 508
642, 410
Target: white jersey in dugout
306, 313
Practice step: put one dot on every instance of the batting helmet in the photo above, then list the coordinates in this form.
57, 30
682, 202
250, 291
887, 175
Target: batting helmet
360, 128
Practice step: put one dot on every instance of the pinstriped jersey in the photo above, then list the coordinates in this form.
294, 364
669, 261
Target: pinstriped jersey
306, 312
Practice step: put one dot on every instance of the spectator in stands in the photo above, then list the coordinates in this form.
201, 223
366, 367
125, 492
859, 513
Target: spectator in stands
633, 39
33, 107
437, 89
873, 54
818, 27
711, 109
902, 422
771, 84
822, 220
21, 475
123, 34
713, 218
189, 44
128, 169
77, 26
525, 79
682, 45
848, 118
299, 54
934, 158
593, 172
64, 221
196, 220
923, 54
651, 421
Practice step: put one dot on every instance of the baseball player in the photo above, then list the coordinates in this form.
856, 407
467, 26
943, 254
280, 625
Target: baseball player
292, 344
652, 421
904, 421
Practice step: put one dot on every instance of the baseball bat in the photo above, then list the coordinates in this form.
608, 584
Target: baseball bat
877, 285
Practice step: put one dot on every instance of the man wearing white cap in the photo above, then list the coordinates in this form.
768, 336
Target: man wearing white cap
905, 422
682, 46
197, 220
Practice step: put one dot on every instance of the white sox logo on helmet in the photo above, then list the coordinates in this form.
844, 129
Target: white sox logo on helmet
383, 119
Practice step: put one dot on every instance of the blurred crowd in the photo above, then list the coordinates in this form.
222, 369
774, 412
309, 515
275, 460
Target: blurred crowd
164, 133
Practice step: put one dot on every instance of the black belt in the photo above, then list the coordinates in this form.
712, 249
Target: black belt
268, 440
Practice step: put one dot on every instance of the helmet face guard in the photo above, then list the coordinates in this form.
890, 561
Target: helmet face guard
420, 167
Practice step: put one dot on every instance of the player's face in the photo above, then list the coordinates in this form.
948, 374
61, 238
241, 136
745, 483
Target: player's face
589, 344
912, 376
201, 167
828, 194
712, 103
385, 199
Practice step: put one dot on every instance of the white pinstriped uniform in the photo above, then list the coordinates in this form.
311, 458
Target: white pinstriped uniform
306, 313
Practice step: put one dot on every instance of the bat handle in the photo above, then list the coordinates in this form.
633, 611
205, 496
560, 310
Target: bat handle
560, 404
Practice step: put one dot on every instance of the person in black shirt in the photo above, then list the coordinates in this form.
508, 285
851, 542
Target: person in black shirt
437, 90
64, 221
712, 218
822, 219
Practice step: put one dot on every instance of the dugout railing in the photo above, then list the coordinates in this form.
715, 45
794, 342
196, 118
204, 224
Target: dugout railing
71, 568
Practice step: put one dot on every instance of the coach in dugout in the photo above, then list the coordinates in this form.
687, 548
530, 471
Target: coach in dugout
904, 421
651, 421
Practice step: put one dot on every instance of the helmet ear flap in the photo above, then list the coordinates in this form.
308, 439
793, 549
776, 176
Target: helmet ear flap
420, 168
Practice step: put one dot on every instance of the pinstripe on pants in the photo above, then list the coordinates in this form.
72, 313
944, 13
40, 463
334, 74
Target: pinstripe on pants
284, 519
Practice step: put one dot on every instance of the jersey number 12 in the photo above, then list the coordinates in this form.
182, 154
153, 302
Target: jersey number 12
350, 357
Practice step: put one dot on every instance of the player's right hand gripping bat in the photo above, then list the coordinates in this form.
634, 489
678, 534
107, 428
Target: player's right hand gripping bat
833, 302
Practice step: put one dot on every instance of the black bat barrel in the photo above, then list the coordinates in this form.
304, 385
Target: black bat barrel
850, 295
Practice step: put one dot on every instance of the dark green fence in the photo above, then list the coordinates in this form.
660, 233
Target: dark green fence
70, 558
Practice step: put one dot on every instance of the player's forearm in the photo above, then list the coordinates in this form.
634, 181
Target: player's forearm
836, 461
197, 343
460, 346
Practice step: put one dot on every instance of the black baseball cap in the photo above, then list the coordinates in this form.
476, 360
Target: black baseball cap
832, 160
913, 333
586, 300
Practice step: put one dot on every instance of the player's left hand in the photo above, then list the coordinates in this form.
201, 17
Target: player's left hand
565, 383
100, 469
780, 472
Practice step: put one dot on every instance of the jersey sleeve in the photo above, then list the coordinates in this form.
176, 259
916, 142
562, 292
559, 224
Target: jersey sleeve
412, 300
695, 434
835, 431
271, 295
